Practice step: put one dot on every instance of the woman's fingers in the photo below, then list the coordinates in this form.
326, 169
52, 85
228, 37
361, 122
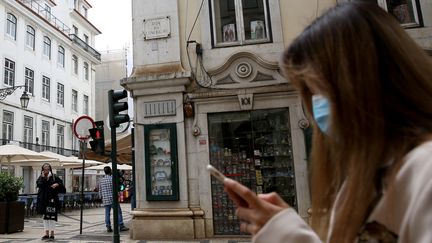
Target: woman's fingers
274, 198
248, 228
241, 194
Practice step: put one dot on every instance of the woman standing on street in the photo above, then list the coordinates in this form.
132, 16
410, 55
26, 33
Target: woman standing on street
367, 88
48, 204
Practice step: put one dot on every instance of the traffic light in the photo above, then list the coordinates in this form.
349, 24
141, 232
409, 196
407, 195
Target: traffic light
98, 142
115, 107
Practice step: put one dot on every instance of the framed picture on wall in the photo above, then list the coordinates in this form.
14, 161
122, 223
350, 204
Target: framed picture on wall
257, 30
406, 12
229, 33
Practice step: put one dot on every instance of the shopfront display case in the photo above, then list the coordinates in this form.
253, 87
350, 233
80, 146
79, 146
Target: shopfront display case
161, 162
254, 148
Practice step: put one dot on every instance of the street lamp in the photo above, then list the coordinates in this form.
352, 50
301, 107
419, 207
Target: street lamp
24, 100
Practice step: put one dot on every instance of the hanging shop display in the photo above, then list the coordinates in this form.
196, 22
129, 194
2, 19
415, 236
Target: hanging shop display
161, 162
254, 148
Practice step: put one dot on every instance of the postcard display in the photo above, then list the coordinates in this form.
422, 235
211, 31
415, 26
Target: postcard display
161, 162
256, 150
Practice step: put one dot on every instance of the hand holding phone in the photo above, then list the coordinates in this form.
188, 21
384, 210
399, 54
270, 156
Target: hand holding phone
217, 174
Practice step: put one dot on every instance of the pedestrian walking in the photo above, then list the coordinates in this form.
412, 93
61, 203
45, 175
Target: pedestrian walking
106, 193
49, 186
366, 86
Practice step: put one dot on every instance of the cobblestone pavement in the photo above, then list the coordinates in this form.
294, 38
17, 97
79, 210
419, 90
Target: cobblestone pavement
93, 230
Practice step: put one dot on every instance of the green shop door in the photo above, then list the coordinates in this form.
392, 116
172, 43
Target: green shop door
254, 148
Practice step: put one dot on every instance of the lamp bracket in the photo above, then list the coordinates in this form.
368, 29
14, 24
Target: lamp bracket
8, 91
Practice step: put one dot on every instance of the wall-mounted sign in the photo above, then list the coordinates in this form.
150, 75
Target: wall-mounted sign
156, 28
160, 108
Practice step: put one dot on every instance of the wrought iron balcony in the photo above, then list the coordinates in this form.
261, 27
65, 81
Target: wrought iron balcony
42, 12
85, 46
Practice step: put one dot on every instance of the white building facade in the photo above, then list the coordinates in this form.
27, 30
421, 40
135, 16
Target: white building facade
46, 46
207, 89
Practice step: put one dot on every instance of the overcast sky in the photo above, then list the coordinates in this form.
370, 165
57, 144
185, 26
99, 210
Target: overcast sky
113, 19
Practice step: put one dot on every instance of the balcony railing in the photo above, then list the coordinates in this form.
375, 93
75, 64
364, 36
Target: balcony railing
40, 148
85, 46
41, 11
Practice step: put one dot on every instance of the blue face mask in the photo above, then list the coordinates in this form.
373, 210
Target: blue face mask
321, 112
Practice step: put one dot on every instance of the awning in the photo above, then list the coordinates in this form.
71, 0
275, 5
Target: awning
124, 151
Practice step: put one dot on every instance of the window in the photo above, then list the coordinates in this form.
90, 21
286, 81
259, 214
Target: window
61, 56
47, 47
47, 12
9, 73
85, 12
86, 71
11, 26
8, 118
405, 11
249, 139
29, 80
30, 37
60, 136
238, 22
85, 104
60, 94
28, 131
45, 133
75, 64
75, 30
75, 100
86, 39
46, 88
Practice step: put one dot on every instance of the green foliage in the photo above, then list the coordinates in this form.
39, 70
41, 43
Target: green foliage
9, 187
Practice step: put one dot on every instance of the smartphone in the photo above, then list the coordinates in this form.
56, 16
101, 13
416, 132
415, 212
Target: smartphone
217, 174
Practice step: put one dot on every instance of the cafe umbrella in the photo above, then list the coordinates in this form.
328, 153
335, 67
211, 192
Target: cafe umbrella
16, 155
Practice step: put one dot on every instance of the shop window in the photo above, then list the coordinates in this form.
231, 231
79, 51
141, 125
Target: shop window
254, 148
239, 22
407, 12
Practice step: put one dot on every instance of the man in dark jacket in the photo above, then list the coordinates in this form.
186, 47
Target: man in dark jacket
49, 186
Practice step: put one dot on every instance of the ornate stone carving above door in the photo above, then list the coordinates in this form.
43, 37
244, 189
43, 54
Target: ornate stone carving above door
246, 69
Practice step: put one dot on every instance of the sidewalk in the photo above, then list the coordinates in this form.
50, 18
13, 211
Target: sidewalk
93, 230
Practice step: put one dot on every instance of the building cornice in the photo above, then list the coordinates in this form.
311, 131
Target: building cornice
85, 21
87, 3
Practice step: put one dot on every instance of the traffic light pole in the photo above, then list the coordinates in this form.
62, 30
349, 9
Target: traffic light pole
115, 107
116, 236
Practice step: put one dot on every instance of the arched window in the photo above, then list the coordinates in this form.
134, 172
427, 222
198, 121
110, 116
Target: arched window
61, 56
11, 26
75, 64
86, 71
47, 47
30, 37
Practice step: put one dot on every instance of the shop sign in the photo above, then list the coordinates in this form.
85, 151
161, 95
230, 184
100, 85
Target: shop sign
246, 101
156, 28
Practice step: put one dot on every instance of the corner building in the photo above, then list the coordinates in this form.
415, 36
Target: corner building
47, 48
207, 89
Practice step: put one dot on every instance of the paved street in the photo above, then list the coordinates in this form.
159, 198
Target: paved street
94, 231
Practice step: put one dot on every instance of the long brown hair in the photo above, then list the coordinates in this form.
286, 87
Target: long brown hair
378, 82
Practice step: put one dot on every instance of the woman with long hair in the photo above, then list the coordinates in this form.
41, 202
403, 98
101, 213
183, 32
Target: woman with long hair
49, 186
367, 88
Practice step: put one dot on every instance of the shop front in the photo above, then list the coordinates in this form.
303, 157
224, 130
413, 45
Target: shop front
253, 135
254, 148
